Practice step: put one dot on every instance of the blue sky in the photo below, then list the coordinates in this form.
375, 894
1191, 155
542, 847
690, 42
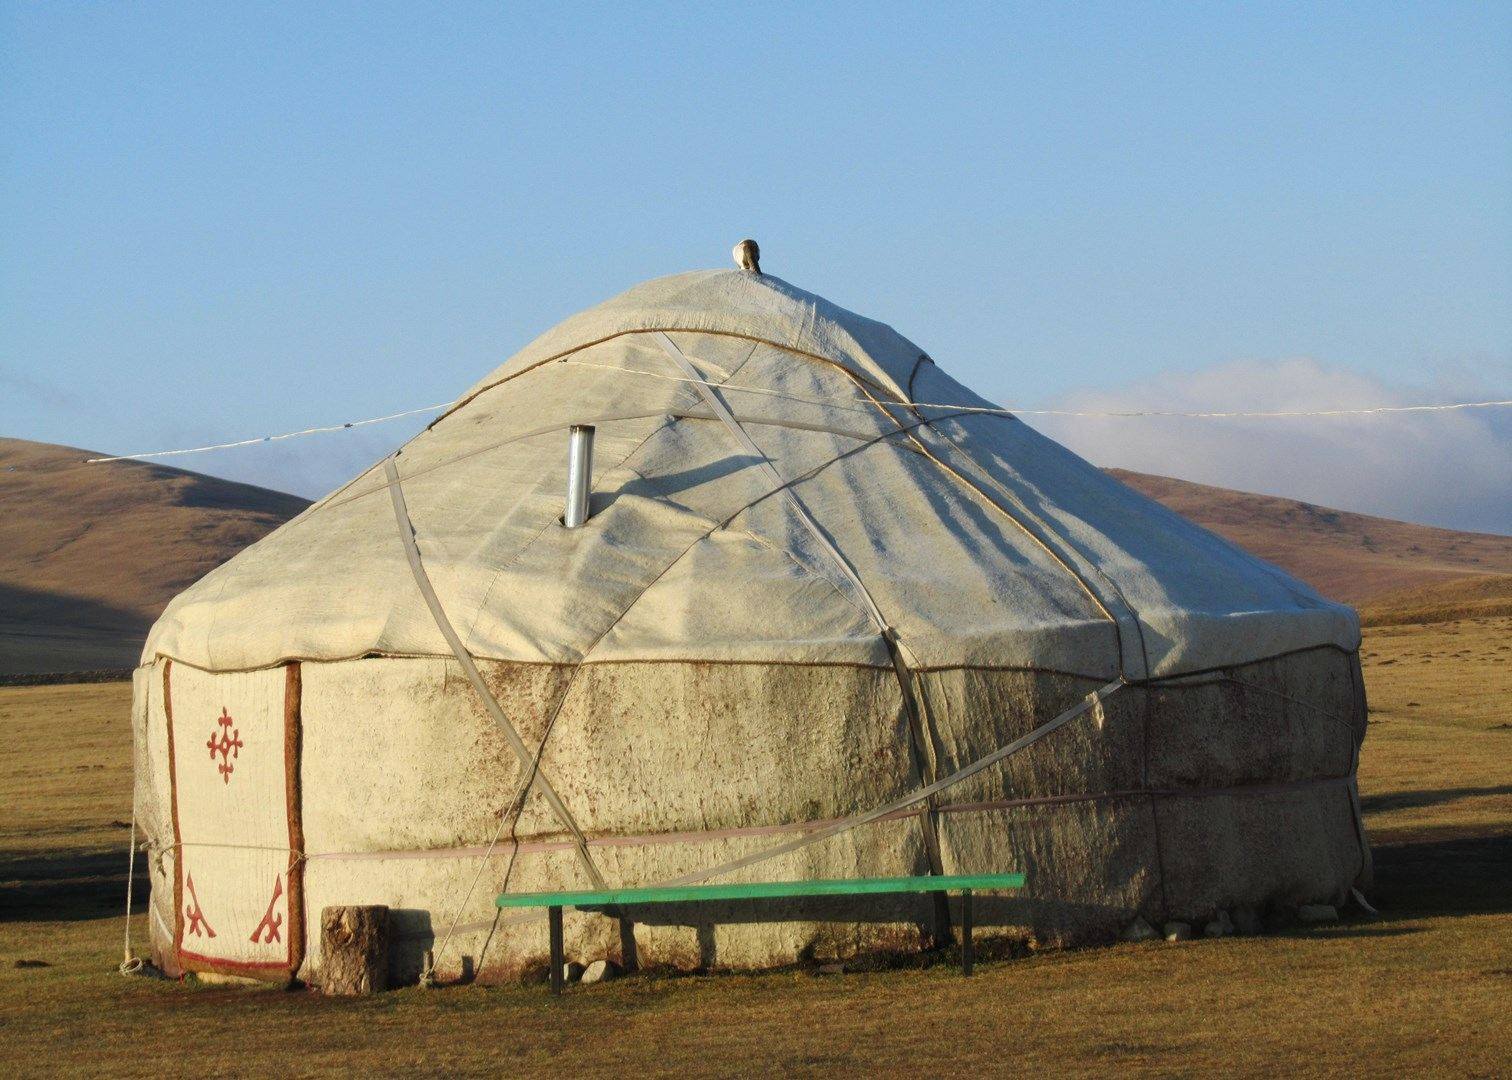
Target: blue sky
224, 220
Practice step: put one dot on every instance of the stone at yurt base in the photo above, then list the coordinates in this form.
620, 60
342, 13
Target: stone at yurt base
1317, 913
600, 971
813, 574
1219, 926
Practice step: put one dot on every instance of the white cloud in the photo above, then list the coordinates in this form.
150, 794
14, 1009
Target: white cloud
1449, 468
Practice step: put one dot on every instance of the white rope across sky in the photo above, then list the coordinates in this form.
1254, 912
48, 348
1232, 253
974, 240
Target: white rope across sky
849, 404
269, 438
860, 406
1246, 415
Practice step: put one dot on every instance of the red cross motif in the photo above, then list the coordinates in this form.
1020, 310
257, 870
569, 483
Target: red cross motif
226, 742
199, 926
270, 922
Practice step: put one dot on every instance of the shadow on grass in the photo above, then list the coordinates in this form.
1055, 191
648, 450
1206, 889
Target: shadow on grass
1412, 800
1414, 878
68, 884
1463, 875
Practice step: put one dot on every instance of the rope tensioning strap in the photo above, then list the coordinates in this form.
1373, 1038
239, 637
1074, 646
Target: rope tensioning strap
394, 483
344, 496
1035, 529
925, 794
475, 677
130, 965
895, 647
1117, 414
1093, 701
494, 850
529, 763
722, 411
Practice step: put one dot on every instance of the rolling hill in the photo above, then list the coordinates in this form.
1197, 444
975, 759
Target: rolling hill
1392, 571
90, 554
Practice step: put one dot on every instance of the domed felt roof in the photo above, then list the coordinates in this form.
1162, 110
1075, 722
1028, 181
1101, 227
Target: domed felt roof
776, 480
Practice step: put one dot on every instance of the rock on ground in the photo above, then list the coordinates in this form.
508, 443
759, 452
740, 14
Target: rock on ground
1247, 921
1139, 930
600, 971
1178, 931
1317, 913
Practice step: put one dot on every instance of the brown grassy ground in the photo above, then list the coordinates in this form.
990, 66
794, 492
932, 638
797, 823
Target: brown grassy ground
1422, 990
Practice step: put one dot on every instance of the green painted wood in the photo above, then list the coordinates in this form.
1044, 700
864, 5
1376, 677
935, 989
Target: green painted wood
756, 890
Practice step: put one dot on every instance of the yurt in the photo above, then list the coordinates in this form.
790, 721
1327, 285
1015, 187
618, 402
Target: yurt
718, 581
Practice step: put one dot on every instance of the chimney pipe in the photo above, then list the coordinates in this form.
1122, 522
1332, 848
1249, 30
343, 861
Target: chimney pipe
579, 474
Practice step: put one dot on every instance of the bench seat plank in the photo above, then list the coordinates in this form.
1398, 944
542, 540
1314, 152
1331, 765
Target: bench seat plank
755, 890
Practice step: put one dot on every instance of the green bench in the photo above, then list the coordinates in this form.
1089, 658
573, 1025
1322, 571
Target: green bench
554, 902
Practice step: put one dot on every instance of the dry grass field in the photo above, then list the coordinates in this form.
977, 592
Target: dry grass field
1424, 989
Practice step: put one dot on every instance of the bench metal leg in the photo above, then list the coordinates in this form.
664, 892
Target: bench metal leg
554, 917
968, 947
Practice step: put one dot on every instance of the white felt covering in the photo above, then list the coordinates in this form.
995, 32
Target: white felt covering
981, 541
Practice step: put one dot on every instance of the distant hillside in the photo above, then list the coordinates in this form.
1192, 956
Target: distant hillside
1393, 571
90, 554
1463, 598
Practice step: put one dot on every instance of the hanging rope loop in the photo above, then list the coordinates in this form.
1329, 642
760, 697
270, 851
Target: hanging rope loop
130, 964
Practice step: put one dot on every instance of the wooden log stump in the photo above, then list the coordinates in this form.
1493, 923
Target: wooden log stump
354, 949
